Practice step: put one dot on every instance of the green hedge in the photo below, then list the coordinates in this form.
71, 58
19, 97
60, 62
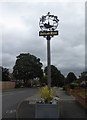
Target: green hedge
73, 85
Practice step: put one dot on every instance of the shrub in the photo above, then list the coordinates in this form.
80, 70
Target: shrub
47, 94
65, 87
73, 85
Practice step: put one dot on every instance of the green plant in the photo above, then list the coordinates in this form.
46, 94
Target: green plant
64, 87
73, 85
47, 94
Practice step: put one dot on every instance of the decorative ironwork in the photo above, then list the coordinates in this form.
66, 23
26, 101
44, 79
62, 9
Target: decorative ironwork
48, 22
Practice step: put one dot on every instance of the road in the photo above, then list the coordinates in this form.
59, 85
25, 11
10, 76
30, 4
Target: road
11, 99
69, 107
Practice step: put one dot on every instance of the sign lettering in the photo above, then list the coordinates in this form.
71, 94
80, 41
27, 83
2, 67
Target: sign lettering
47, 33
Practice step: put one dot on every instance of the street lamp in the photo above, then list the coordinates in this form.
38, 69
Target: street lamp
48, 25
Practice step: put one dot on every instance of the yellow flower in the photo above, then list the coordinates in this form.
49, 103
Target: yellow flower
47, 93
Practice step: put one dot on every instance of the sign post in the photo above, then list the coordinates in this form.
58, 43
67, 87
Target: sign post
48, 24
48, 61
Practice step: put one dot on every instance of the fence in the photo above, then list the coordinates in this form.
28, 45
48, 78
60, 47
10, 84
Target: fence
7, 85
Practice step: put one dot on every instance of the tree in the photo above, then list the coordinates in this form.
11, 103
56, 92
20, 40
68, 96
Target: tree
57, 79
71, 77
27, 67
0, 73
5, 74
43, 80
83, 76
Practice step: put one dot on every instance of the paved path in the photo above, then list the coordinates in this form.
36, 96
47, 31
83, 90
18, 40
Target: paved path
70, 108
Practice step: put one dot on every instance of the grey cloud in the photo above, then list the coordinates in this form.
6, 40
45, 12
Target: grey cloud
21, 34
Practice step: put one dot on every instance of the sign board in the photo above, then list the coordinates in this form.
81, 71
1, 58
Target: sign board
48, 33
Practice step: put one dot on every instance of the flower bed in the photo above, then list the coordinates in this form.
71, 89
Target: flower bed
46, 105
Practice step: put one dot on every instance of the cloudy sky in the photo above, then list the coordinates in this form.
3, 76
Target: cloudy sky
20, 28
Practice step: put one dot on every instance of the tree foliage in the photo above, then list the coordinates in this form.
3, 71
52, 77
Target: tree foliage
0, 73
43, 80
71, 77
5, 74
27, 67
83, 76
57, 79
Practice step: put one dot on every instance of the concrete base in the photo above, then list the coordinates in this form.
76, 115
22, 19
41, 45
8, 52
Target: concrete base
26, 110
46, 111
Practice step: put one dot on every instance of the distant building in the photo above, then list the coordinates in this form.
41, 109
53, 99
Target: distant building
83, 84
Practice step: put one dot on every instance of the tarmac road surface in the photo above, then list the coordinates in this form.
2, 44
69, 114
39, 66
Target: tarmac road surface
11, 99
